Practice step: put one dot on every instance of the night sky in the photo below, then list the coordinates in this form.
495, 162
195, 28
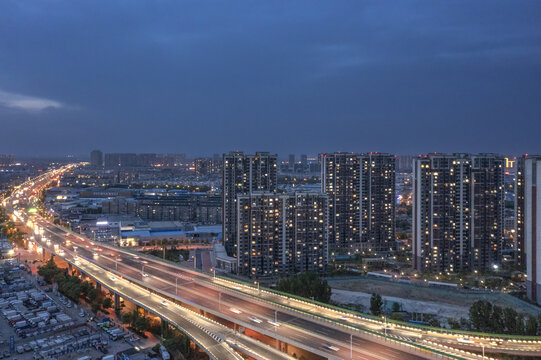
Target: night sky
203, 77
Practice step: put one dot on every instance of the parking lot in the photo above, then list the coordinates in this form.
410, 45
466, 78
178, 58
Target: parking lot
38, 323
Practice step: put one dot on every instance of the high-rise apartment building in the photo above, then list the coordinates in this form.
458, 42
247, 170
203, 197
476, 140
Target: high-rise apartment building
281, 233
304, 162
207, 166
243, 174
96, 159
361, 191
458, 212
116, 160
291, 162
378, 201
520, 258
531, 205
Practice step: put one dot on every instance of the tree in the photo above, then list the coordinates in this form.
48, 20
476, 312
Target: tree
107, 303
531, 326
480, 313
496, 321
49, 271
453, 323
510, 320
308, 285
376, 304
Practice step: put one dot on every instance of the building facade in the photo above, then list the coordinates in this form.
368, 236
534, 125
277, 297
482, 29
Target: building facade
96, 159
520, 257
378, 201
458, 212
281, 234
532, 227
243, 174
361, 191
201, 208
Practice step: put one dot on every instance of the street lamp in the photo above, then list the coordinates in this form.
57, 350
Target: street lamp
351, 346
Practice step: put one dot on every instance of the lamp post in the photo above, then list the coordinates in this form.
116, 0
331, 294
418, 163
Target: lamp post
351, 346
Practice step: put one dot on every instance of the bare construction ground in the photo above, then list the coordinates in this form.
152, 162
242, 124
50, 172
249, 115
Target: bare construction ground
349, 292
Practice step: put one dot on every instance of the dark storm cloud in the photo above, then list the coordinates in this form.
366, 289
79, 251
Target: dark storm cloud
284, 76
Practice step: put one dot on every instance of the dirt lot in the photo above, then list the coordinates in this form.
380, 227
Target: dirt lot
437, 296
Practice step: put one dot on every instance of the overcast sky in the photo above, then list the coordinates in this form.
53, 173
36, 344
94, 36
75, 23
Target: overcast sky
203, 77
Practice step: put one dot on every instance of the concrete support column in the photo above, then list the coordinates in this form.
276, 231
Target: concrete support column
116, 299
164, 327
98, 287
70, 269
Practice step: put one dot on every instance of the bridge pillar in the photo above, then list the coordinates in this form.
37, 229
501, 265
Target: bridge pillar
70, 269
98, 287
164, 328
116, 300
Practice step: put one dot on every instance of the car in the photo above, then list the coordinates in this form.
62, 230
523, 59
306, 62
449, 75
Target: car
113, 278
27, 347
465, 340
344, 317
164, 303
145, 275
95, 254
236, 311
20, 349
331, 347
7, 353
275, 323
256, 320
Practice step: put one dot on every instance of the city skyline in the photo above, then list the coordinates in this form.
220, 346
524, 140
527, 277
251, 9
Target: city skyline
203, 79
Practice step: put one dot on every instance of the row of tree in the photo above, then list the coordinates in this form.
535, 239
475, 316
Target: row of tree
9, 230
490, 318
73, 288
308, 285
138, 323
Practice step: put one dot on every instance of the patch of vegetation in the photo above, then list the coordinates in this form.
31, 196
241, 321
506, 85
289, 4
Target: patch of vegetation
494, 319
170, 254
74, 288
308, 285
